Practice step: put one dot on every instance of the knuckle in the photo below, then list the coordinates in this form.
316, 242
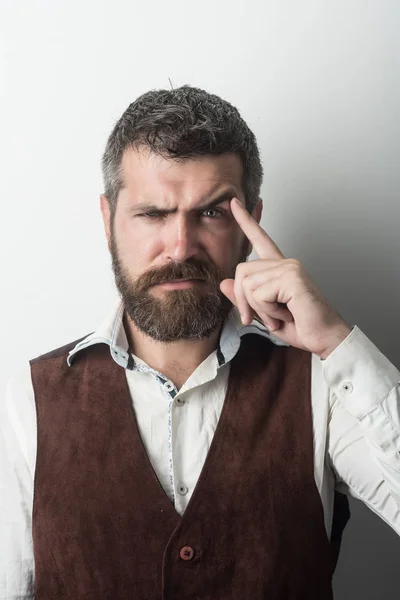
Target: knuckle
295, 268
294, 264
240, 268
256, 295
249, 283
259, 297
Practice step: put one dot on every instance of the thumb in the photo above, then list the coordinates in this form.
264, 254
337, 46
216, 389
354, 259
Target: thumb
226, 287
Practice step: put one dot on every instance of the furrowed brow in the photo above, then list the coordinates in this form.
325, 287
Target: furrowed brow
146, 207
225, 197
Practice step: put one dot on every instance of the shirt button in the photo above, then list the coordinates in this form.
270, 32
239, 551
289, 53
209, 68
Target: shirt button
347, 387
186, 553
180, 401
182, 489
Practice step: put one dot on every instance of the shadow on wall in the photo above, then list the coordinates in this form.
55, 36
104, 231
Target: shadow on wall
368, 566
352, 255
351, 251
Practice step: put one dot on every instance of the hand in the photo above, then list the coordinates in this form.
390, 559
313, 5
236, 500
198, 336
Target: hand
279, 292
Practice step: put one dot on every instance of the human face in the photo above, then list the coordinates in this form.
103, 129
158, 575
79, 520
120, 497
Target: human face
173, 239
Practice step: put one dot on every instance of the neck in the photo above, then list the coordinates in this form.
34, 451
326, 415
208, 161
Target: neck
176, 360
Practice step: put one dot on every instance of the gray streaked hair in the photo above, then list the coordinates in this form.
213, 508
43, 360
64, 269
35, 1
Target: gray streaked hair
182, 123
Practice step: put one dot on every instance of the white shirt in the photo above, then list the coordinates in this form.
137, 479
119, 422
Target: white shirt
356, 423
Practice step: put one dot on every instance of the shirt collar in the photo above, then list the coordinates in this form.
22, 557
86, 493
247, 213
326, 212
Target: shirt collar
112, 333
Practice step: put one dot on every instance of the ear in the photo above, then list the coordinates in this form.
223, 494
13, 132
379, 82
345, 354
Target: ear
106, 214
256, 214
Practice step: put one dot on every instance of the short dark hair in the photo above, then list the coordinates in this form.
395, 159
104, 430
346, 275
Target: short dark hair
182, 123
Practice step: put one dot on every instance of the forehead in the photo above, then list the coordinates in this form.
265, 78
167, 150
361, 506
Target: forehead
147, 175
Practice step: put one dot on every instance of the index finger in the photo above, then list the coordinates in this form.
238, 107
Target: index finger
262, 243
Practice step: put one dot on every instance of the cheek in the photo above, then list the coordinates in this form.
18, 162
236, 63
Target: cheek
228, 249
236, 242
128, 230
137, 249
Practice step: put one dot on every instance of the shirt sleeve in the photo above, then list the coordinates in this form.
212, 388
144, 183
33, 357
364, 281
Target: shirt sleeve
17, 436
364, 425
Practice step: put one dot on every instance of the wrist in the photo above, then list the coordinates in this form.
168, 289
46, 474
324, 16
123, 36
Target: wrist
336, 337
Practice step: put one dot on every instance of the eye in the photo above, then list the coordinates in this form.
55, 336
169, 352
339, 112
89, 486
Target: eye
151, 215
216, 215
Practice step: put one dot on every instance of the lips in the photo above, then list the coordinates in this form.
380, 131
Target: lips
180, 280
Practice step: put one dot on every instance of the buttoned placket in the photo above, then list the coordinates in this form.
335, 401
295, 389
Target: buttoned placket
179, 489
170, 392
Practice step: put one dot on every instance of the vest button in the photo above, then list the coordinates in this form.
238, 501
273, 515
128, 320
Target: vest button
186, 553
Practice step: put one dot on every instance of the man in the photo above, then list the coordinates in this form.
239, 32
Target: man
192, 446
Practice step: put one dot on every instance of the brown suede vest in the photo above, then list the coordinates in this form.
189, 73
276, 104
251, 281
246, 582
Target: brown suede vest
103, 527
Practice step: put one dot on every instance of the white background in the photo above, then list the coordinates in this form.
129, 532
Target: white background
317, 81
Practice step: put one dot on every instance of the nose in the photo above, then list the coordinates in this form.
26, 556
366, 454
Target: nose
181, 239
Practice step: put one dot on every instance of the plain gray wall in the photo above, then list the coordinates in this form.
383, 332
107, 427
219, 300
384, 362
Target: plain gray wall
318, 81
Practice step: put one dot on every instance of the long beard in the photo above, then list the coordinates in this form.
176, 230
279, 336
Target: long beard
183, 314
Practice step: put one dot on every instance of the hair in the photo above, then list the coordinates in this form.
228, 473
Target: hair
182, 123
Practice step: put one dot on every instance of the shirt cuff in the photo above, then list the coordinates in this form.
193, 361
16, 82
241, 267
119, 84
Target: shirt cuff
359, 374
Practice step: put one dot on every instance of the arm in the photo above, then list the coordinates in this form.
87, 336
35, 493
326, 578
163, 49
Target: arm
16, 491
364, 425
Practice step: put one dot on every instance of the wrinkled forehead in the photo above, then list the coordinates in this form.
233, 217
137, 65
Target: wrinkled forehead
147, 175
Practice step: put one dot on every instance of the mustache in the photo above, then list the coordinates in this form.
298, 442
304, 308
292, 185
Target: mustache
192, 269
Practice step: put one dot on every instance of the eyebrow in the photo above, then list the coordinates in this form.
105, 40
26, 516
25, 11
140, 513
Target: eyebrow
145, 207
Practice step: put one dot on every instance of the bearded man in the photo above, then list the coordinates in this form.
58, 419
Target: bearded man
194, 445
